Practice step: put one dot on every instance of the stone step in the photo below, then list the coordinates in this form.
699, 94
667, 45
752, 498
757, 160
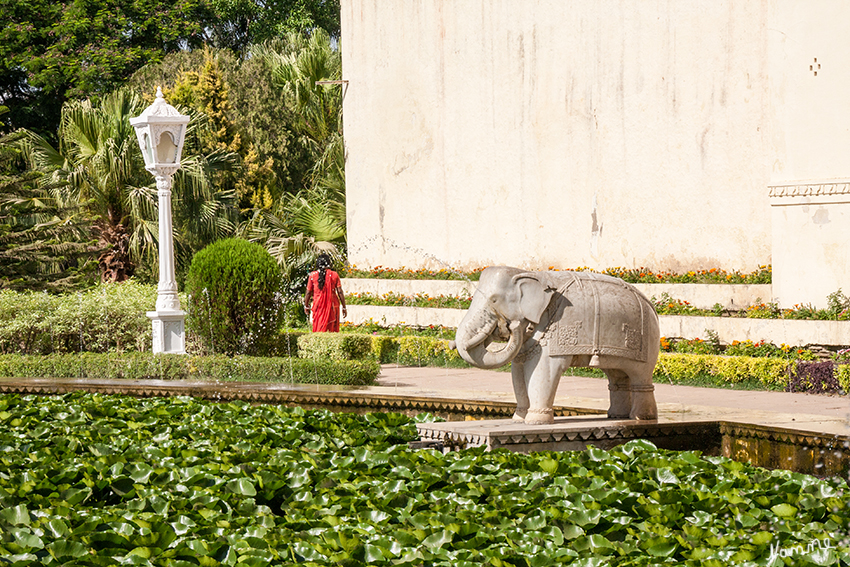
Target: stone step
702, 296
728, 329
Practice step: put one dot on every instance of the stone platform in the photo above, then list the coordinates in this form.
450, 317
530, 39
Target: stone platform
571, 434
818, 454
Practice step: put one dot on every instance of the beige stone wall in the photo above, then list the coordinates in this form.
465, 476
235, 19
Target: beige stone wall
557, 133
809, 53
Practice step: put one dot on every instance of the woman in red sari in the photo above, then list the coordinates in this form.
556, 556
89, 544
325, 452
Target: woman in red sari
324, 297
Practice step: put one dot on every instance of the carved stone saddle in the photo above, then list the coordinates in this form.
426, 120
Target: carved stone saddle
597, 314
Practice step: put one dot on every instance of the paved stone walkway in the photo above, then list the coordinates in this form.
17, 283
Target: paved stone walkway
807, 412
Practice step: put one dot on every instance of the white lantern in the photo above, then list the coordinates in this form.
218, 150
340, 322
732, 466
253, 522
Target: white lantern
161, 130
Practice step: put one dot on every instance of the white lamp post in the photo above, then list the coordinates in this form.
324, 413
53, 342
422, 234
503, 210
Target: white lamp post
161, 131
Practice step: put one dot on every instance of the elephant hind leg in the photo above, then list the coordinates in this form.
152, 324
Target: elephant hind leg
620, 394
643, 401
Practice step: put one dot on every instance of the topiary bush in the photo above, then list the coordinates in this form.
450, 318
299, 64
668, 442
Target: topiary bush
234, 297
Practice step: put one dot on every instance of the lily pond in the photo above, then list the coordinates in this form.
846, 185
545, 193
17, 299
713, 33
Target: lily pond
101, 480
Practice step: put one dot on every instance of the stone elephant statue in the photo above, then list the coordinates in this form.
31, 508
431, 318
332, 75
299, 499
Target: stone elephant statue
555, 320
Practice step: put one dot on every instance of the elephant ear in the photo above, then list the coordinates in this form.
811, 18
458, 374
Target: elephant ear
534, 296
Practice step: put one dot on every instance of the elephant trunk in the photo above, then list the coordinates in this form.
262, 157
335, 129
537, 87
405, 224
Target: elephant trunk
474, 349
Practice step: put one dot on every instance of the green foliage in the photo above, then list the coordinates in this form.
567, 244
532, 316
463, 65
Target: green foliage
842, 374
427, 351
302, 225
697, 346
838, 304
635, 275
666, 305
221, 368
53, 51
108, 317
286, 343
382, 273
763, 310
384, 349
764, 349
206, 90
44, 242
240, 23
771, 373
257, 109
98, 167
418, 300
234, 297
374, 328
182, 481
714, 275
334, 346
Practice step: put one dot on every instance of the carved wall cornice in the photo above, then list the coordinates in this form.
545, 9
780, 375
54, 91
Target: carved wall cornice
810, 189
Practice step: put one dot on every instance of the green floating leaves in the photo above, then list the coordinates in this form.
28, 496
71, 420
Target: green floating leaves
98, 480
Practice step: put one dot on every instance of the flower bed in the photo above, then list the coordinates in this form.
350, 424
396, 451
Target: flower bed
632, 275
418, 300
838, 309
97, 480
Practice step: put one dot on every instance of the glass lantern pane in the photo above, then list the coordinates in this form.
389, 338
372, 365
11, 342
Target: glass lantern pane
166, 151
149, 158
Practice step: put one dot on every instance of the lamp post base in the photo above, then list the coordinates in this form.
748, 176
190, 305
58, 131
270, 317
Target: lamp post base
169, 334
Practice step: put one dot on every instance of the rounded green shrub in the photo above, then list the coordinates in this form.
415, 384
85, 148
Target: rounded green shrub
234, 297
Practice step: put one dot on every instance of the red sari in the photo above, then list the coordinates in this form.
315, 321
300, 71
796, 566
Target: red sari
325, 307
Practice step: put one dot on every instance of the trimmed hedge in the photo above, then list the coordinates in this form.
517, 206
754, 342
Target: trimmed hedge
106, 317
772, 373
334, 346
139, 366
427, 351
286, 343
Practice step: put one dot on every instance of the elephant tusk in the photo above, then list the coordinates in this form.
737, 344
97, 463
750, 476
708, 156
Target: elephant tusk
479, 355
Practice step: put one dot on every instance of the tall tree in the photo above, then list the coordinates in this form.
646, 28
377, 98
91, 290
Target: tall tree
57, 50
52, 51
245, 101
300, 226
240, 23
98, 166
44, 241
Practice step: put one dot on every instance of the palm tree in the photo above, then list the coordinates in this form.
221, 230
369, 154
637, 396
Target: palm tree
99, 167
300, 227
295, 232
297, 63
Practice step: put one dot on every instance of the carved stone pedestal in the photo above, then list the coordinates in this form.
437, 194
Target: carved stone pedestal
168, 332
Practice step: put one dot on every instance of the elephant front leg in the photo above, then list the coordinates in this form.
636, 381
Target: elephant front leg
542, 386
520, 390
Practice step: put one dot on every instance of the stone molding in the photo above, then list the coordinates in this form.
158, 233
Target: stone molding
832, 192
840, 187
560, 436
810, 452
269, 393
